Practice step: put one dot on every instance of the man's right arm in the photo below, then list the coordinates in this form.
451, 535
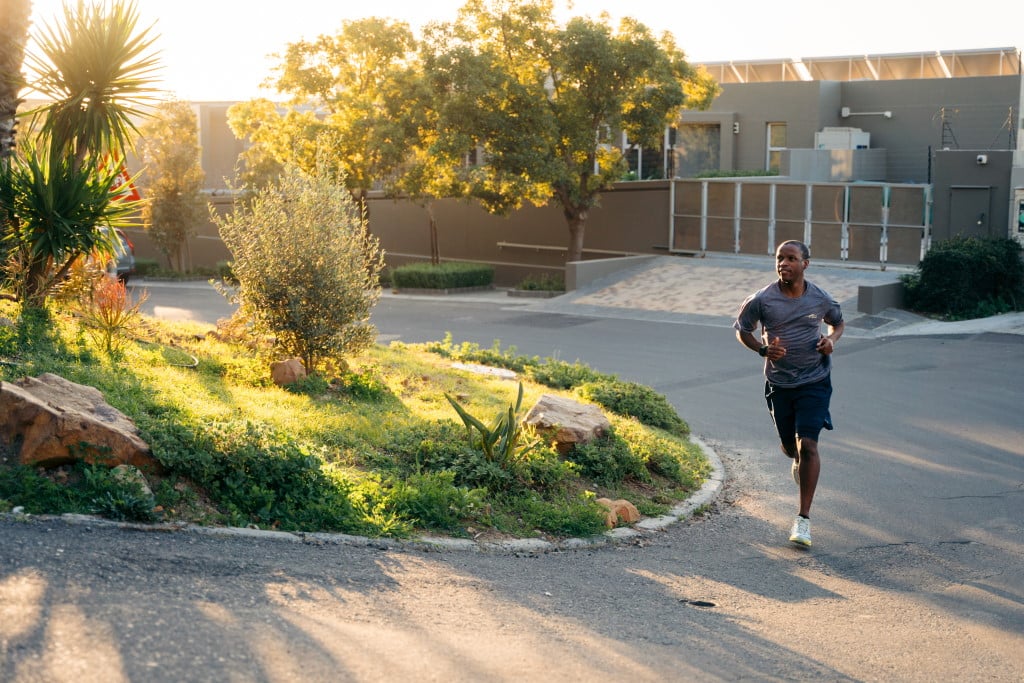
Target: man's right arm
749, 340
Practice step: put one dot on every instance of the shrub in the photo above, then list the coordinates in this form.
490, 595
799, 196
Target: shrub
471, 352
608, 461
545, 282
434, 501
81, 488
579, 516
146, 266
635, 400
450, 275
260, 476
678, 461
225, 273
108, 312
967, 277
307, 268
558, 374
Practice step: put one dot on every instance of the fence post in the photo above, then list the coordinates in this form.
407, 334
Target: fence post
844, 230
737, 210
703, 217
808, 210
672, 215
883, 246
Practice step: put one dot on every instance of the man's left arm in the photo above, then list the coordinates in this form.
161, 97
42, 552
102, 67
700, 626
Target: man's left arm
827, 343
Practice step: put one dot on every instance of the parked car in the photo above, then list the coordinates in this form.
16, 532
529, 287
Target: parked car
123, 265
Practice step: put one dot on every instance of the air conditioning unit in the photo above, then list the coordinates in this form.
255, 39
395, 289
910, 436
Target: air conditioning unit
832, 137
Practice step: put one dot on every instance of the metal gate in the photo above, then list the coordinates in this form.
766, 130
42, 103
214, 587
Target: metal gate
879, 223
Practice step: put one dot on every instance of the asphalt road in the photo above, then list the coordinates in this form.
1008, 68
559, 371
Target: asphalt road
916, 574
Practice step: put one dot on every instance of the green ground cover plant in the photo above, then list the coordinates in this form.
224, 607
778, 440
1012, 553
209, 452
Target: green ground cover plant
544, 282
376, 447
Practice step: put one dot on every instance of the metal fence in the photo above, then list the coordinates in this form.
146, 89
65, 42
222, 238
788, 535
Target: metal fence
864, 222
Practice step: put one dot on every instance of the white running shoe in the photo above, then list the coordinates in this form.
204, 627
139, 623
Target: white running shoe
801, 531
795, 468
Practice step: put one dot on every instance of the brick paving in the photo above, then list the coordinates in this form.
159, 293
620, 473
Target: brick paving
715, 286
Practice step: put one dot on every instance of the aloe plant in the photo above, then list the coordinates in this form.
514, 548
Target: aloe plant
501, 440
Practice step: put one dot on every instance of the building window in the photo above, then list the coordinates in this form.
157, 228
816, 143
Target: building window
698, 148
776, 143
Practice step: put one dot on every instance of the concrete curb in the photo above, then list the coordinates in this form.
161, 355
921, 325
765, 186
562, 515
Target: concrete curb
704, 496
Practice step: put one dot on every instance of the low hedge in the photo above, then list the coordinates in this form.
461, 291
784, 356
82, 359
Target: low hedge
452, 275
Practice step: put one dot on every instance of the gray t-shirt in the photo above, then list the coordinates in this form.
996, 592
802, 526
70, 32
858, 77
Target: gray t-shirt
797, 323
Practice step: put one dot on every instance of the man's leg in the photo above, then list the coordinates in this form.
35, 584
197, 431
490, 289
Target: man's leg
810, 468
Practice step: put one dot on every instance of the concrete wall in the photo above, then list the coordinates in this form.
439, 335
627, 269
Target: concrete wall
976, 111
971, 198
219, 147
805, 108
632, 219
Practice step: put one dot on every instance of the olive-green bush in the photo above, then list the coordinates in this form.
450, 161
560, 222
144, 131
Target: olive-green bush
967, 277
306, 266
451, 275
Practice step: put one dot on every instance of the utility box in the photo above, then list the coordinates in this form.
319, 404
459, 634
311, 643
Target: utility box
842, 138
834, 165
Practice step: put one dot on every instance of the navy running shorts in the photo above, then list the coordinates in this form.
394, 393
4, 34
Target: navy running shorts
800, 412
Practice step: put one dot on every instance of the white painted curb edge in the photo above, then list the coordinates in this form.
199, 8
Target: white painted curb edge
707, 494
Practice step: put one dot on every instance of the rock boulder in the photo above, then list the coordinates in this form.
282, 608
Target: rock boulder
50, 421
567, 422
620, 510
287, 371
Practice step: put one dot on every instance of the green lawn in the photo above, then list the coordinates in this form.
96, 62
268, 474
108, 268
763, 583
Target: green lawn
374, 447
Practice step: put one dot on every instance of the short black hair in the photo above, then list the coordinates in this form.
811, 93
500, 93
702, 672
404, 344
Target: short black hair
804, 251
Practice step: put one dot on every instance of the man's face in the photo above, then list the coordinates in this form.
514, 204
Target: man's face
790, 263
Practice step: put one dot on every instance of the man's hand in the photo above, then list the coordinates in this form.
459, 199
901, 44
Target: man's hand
826, 346
775, 349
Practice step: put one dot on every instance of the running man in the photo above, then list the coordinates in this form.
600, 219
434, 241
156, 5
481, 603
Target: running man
798, 385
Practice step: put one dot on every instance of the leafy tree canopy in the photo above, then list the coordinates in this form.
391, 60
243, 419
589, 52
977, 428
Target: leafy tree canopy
355, 89
543, 101
170, 151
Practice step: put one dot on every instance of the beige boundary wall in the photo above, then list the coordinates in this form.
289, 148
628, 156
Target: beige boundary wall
873, 224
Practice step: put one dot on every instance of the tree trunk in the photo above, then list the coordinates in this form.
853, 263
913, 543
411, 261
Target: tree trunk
435, 249
577, 222
14, 24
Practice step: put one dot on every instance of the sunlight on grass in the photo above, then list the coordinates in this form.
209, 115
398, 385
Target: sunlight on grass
374, 448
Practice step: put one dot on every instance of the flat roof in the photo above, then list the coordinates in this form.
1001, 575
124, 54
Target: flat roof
999, 61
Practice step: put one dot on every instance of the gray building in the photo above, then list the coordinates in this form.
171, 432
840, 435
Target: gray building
951, 120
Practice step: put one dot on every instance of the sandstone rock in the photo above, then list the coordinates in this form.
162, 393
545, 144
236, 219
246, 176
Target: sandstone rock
567, 422
132, 475
619, 510
287, 371
51, 421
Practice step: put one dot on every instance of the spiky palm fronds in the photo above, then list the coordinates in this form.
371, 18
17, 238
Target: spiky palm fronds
98, 69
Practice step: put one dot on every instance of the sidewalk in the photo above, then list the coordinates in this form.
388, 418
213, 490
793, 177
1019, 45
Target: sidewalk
708, 291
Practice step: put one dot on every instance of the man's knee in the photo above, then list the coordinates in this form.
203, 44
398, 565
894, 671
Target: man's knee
790, 449
808, 448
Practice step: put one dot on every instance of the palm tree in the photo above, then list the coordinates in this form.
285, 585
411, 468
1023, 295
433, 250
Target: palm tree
14, 15
97, 70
